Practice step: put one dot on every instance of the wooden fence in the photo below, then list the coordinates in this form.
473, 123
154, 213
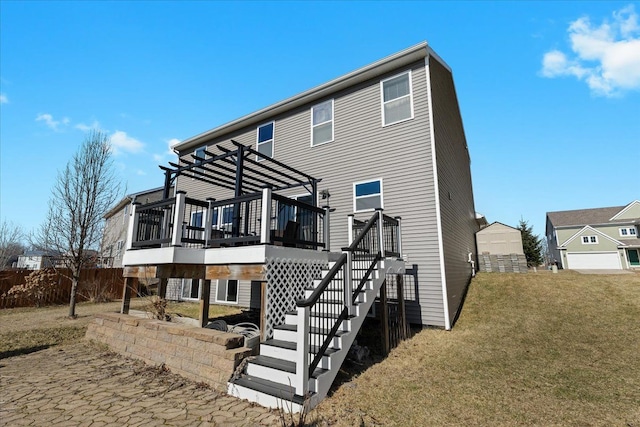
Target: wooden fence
94, 283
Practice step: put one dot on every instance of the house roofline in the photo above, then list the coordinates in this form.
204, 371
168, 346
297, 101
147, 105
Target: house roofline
360, 75
587, 227
127, 200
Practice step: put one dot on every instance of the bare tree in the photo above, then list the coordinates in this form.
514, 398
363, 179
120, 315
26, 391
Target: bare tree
83, 192
11, 245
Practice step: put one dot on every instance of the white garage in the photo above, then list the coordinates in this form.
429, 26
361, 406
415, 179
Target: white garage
594, 260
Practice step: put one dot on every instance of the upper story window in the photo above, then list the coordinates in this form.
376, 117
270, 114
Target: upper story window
265, 140
589, 240
631, 231
397, 104
200, 153
322, 123
367, 195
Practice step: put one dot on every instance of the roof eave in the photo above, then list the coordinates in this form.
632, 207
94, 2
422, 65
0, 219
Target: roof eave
375, 69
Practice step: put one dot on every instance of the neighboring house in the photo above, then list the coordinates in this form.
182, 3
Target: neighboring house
34, 260
246, 226
600, 238
117, 223
500, 249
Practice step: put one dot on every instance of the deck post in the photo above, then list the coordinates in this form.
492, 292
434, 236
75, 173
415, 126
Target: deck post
399, 236
176, 238
208, 221
348, 284
126, 294
302, 352
265, 217
404, 333
162, 288
350, 229
384, 318
326, 235
204, 303
381, 232
133, 225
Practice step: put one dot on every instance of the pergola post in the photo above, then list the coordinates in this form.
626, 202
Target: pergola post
238, 191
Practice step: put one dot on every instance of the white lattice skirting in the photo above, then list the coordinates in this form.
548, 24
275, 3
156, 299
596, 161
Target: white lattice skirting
286, 281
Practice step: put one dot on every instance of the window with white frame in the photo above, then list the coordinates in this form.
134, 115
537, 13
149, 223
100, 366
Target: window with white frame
119, 246
367, 195
200, 152
322, 123
190, 288
265, 140
222, 221
227, 291
625, 232
589, 240
397, 103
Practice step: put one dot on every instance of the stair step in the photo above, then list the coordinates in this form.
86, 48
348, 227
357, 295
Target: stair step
318, 331
282, 365
280, 391
293, 346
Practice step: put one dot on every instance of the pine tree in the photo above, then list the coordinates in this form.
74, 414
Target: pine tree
531, 244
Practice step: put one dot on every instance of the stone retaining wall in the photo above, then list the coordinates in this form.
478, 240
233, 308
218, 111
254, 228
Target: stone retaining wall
205, 355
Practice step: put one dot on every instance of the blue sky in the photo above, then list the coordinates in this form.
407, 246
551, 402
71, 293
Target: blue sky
549, 92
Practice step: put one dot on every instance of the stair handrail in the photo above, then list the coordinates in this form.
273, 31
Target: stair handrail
315, 295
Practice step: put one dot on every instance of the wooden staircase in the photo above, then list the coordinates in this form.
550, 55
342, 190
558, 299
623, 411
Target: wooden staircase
295, 369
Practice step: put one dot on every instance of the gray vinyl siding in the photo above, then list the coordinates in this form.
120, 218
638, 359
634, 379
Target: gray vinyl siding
454, 187
399, 154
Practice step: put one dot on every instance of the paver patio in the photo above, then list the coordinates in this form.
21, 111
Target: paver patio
86, 385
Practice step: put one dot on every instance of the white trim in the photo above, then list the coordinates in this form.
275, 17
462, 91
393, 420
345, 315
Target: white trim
588, 239
631, 232
616, 253
382, 102
227, 291
625, 209
189, 298
366, 182
272, 140
590, 229
333, 120
443, 275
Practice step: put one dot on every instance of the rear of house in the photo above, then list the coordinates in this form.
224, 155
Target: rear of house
387, 136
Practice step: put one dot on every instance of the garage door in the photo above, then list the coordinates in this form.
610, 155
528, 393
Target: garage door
597, 260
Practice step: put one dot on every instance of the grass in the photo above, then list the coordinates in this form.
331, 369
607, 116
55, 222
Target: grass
533, 349
29, 329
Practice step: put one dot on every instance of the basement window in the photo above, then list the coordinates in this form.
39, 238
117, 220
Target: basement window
227, 291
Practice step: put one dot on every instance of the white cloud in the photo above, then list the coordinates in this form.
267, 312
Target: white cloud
140, 172
606, 57
3, 99
169, 152
120, 142
95, 125
50, 122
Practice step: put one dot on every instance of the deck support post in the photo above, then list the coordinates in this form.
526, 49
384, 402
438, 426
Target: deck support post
404, 332
302, 352
384, 318
204, 302
129, 282
265, 217
176, 238
162, 288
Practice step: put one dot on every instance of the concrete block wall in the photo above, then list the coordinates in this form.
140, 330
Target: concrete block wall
203, 355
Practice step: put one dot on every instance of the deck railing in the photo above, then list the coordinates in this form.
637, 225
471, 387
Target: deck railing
333, 300
258, 218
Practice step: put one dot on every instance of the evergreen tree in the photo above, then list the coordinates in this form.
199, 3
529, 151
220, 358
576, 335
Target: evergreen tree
531, 244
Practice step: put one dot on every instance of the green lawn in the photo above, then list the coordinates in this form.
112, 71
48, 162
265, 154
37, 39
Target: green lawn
529, 349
